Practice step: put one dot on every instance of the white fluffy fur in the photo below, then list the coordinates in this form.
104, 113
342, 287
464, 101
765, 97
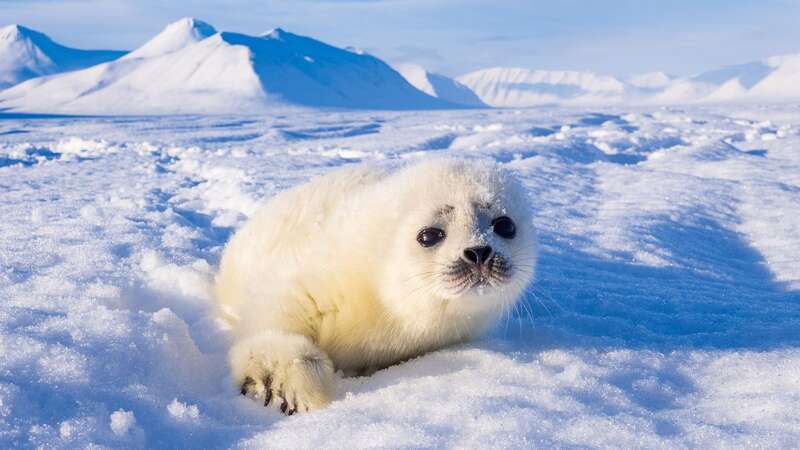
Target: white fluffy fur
329, 274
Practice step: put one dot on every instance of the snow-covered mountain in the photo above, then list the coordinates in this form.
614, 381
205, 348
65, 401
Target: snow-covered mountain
438, 85
26, 53
775, 79
650, 80
515, 87
191, 68
782, 83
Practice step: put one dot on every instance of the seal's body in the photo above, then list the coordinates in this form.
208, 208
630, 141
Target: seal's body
365, 267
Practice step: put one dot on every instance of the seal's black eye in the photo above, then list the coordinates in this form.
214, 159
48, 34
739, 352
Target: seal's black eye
428, 237
504, 227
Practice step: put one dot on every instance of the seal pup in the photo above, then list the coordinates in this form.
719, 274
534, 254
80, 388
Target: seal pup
366, 267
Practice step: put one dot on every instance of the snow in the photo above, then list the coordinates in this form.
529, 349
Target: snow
438, 86
189, 68
175, 36
122, 422
181, 411
781, 84
650, 80
26, 53
517, 87
666, 313
773, 80
748, 75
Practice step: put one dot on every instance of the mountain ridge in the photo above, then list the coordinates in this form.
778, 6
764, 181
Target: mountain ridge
191, 67
519, 87
185, 69
26, 53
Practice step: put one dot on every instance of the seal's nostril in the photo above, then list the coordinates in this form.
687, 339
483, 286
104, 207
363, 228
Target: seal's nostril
477, 255
471, 256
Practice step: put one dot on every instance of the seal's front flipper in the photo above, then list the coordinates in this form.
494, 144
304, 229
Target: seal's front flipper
284, 370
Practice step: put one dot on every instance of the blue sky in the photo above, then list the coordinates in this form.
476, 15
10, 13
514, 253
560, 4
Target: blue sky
616, 37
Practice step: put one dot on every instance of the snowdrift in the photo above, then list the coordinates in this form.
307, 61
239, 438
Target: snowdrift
191, 68
26, 54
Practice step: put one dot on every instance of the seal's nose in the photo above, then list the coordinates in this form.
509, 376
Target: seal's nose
477, 255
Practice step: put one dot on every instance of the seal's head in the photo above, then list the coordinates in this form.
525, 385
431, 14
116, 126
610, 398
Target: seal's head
465, 246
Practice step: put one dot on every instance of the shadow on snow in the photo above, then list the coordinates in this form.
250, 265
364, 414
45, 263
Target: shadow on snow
717, 294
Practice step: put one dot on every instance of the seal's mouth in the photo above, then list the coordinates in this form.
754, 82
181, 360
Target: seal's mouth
462, 276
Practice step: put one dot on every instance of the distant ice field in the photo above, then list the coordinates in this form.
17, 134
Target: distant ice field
665, 313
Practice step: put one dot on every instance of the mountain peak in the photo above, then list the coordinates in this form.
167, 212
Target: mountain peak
183, 70
190, 23
10, 31
16, 32
174, 36
27, 53
275, 33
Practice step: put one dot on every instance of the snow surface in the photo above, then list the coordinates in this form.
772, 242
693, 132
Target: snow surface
26, 54
666, 313
189, 68
438, 86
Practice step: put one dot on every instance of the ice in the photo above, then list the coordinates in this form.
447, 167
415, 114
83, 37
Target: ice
666, 313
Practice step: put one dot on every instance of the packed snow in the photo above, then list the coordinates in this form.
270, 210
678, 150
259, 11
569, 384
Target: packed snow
665, 314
